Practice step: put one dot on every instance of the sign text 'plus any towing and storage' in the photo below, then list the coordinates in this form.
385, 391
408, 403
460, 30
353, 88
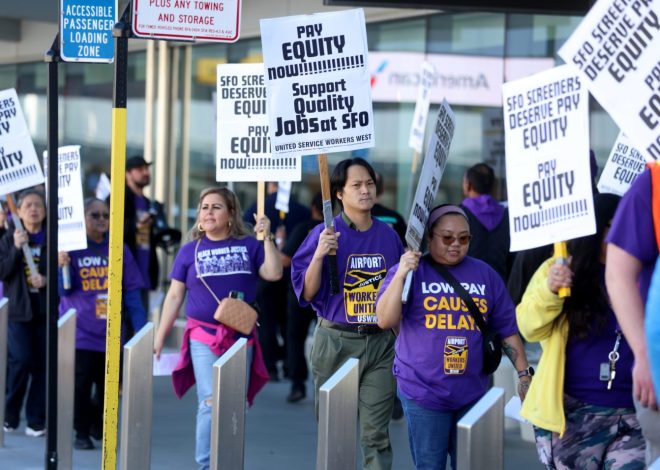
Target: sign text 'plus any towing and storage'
317, 79
194, 20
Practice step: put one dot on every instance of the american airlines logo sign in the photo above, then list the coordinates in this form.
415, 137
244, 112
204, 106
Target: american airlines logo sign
463, 80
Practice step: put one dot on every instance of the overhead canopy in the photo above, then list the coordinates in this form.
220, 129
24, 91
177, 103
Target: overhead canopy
549, 7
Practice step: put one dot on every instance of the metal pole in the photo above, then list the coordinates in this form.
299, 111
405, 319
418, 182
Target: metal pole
52, 295
66, 365
481, 434
121, 33
137, 403
228, 413
4, 314
338, 409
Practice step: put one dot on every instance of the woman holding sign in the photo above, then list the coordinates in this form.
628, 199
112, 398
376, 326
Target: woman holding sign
26, 291
220, 261
440, 365
580, 403
88, 295
347, 327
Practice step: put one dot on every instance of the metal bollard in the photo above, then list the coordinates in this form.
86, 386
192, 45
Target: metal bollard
481, 434
66, 375
228, 411
137, 401
338, 410
4, 314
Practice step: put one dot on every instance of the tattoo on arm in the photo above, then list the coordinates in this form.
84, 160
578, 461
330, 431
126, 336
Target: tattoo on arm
510, 352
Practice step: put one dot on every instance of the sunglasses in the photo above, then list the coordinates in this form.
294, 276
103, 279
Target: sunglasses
98, 215
450, 239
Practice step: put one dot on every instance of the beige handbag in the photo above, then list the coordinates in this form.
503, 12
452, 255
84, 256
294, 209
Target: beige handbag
234, 313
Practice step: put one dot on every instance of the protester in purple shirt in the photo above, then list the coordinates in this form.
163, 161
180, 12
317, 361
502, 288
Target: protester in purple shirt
589, 422
366, 248
220, 258
439, 356
88, 295
631, 256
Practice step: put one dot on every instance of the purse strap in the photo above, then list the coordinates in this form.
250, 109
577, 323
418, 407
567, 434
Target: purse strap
199, 276
462, 293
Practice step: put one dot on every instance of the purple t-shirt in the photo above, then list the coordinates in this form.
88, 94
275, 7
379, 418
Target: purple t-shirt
89, 292
363, 259
225, 265
632, 228
582, 369
142, 240
439, 353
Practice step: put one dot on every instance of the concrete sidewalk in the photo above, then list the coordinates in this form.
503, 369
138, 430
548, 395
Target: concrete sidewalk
278, 436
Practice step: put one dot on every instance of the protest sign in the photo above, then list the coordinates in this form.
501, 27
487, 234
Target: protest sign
71, 230
623, 166
418, 127
283, 196
243, 145
431, 174
615, 51
319, 97
19, 166
546, 137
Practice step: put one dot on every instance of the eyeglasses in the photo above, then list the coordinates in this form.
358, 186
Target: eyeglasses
98, 215
449, 239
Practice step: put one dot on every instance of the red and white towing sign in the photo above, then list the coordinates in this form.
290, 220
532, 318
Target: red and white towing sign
183, 20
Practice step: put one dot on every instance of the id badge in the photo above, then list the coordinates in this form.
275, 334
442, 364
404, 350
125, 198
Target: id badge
101, 306
604, 372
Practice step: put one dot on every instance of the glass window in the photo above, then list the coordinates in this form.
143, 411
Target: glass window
538, 35
401, 36
467, 33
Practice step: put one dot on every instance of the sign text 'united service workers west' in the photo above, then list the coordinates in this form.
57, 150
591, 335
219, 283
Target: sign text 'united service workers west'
19, 166
199, 20
86, 30
319, 97
616, 50
243, 151
546, 136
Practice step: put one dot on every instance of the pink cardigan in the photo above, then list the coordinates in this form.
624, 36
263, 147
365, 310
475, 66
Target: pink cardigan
183, 376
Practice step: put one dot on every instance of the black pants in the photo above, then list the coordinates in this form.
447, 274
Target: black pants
26, 366
88, 412
271, 297
297, 329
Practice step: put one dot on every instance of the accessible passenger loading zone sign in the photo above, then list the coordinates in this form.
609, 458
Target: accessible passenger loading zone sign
195, 20
318, 83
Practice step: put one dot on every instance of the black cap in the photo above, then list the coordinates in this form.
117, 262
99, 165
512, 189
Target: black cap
136, 162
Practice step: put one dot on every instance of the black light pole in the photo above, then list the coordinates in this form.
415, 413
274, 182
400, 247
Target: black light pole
52, 296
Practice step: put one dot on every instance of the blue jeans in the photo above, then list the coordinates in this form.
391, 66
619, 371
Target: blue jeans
203, 360
431, 434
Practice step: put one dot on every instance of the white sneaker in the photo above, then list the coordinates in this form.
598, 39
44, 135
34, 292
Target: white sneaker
36, 431
8, 428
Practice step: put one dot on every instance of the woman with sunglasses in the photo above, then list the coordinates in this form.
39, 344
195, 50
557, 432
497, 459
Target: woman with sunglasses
439, 358
26, 291
88, 294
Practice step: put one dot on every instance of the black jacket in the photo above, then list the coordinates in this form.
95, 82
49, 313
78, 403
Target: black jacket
130, 234
12, 275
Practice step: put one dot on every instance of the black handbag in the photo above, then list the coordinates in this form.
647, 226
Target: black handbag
492, 343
